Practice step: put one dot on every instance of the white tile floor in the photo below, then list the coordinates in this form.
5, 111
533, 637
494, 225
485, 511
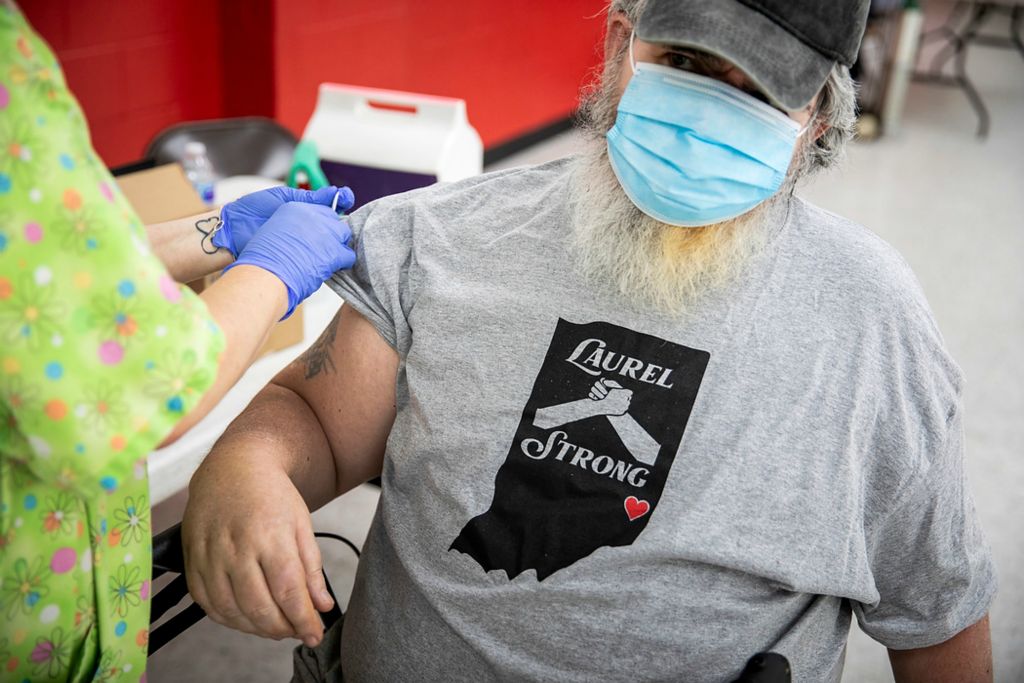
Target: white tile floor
954, 207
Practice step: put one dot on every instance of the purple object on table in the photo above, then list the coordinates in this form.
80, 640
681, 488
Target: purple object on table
369, 183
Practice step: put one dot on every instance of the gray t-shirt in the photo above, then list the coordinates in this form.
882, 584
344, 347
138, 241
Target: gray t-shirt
737, 482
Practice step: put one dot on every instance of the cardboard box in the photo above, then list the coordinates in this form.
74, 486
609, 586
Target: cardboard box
164, 194
161, 194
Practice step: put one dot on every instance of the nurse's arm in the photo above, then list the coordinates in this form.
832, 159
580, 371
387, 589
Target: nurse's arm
245, 302
964, 658
180, 245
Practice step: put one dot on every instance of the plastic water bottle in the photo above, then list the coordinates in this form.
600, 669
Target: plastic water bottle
198, 170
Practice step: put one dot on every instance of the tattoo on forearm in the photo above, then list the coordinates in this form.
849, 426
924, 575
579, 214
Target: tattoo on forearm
317, 357
208, 227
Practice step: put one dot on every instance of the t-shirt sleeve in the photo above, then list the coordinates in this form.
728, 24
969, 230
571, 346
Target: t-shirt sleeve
102, 353
930, 562
381, 284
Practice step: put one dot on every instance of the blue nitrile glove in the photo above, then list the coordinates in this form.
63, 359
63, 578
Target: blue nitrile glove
302, 244
243, 217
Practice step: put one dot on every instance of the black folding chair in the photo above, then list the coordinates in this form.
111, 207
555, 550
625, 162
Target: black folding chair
250, 145
169, 558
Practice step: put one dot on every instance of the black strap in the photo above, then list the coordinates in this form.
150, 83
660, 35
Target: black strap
336, 537
331, 616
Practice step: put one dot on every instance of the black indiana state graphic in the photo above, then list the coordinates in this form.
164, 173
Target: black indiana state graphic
593, 450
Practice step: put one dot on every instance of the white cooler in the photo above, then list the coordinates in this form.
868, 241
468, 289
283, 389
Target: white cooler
382, 142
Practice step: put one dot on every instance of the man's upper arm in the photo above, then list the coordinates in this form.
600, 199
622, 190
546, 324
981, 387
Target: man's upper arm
347, 377
964, 658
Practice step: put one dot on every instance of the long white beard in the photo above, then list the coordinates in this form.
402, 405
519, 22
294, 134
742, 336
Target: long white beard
653, 263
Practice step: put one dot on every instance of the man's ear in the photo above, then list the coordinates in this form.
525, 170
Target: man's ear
617, 36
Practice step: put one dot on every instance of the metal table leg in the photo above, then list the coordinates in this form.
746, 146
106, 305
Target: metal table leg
956, 50
1015, 20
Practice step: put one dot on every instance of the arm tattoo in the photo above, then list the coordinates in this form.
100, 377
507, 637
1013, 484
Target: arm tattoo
317, 357
208, 227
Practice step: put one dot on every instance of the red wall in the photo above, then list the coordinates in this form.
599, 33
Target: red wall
138, 66
519, 65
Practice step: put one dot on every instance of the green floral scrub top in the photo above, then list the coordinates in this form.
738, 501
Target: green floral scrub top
101, 353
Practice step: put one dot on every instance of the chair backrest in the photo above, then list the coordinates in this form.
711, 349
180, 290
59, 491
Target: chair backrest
169, 557
244, 146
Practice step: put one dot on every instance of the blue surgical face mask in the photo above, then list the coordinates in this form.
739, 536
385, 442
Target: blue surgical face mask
690, 150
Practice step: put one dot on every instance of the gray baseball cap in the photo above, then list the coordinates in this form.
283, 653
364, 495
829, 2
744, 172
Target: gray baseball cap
786, 47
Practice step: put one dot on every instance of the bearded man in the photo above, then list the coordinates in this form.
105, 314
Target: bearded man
639, 414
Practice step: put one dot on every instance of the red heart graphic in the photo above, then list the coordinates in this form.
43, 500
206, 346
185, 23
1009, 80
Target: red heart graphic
636, 508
